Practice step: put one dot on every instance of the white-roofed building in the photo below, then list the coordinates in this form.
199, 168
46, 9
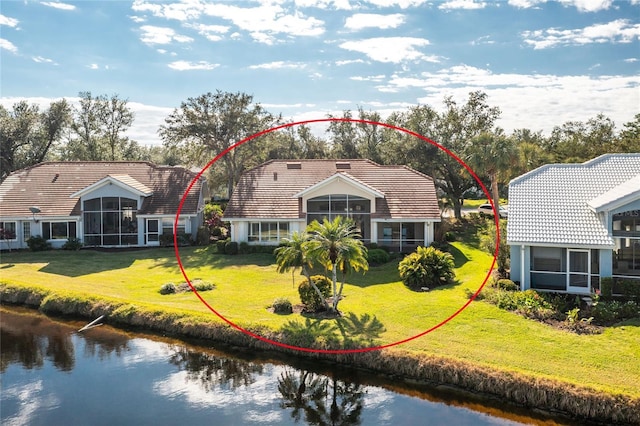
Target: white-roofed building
571, 224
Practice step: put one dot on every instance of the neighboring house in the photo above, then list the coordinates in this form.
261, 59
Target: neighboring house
571, 224
393, 206
106, 204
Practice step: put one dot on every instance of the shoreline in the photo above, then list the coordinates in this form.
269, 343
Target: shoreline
537, 393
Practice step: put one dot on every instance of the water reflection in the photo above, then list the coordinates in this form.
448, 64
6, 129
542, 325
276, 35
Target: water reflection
29, 340
210, 371
320, 400
53, 375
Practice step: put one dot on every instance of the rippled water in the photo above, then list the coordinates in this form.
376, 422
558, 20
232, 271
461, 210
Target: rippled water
52, 375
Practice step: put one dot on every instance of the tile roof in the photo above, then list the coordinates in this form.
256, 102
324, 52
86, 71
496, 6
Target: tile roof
267, 191
550, 205
49, 186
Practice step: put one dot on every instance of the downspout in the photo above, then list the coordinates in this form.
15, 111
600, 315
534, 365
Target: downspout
522, 263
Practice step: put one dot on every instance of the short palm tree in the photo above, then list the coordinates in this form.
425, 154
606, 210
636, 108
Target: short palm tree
336, 244
292, 254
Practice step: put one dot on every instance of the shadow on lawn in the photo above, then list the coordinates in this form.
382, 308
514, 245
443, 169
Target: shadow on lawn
346, 332
195, 257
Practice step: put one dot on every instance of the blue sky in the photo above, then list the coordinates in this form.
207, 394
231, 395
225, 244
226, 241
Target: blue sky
543, 62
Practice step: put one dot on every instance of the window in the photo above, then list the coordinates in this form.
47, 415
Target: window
351, 206
8, 231
268, 232
26, 231
58, 230
110, 221
167, 226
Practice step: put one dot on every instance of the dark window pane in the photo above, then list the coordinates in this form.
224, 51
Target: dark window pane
59, 230
46, 230
111, 203
92, 205
72, 230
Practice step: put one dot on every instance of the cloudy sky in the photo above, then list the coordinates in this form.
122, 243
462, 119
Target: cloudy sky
543, 62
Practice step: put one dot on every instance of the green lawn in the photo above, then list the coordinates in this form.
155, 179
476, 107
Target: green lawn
247, 284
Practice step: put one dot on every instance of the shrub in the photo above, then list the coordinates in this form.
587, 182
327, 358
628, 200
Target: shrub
168, 288
282, 306
309, 297
606, 287
220, 245
426, 267
203, 236
244, 248
507, 285
231, 247
72, 244
610, 312
377, 256
38, 243
631, 289
202, 285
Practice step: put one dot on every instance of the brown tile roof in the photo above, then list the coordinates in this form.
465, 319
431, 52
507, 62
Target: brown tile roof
267, 191
49, 185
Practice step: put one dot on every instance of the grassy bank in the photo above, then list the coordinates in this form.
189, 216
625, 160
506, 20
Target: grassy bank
483, 349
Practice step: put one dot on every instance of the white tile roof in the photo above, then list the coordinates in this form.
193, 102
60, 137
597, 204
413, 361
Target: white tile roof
550, 205
621, 194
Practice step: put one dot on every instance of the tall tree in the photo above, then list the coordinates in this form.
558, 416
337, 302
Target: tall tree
97, 130
453, 129
350, 139
492, 155
629, 138
212, 123
28, 135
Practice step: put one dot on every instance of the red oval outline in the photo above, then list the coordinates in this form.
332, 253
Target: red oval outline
336, 351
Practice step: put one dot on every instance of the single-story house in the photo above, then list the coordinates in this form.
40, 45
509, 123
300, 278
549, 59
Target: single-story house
571, 224
393, 206
105, 204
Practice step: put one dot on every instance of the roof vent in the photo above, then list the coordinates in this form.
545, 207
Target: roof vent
275, 176
296, 165
55, 178
343, 165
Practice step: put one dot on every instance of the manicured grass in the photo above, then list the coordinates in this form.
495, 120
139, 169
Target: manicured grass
247, 284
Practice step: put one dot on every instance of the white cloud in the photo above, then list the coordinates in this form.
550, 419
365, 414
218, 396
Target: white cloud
588, 5
187, 66
58, 5
374, 20
161, 35
93, 66
10, 22
7, 45
210, 32
618, 31
138, 19
350, 61
390, 49
631, 60
462, 4
279, 65
41, 59
266, 21
533, 101
402, 4
581, 5
375, 78
325, 4
263, 22
179, 11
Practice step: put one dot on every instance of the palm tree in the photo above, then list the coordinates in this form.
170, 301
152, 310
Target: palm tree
493, 154
293, 255
336, 244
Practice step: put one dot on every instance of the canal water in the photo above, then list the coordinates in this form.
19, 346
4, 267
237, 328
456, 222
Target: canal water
52, 375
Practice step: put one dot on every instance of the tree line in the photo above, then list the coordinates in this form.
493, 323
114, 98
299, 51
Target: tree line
209, 124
